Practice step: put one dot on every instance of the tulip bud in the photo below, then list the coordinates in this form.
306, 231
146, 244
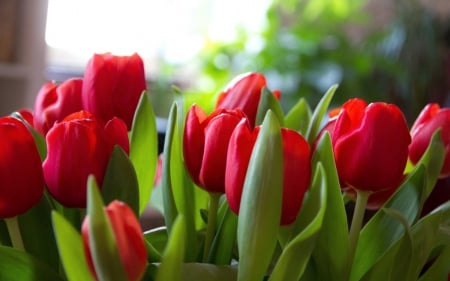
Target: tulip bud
128, 235
370, 144
78, 146
429, 120
54, 102
244, 93
205, 145
21, 177
112, 86
296, 171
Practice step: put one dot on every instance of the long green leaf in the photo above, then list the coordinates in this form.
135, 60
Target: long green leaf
120, 181
225, 239
172, 259
17, 265
269, 102
37, 233
295, 256
70, 247
319, 113
208, 272
103, 247
299, 117
440, 268
260, 209
170, 209
333, 236
144, 148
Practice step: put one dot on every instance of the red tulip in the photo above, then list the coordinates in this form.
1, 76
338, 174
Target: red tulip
244, 93
78, 146
205, 145
112, 86
128, 235
429, 120
54, 102
296, 173
21, 178
370, 144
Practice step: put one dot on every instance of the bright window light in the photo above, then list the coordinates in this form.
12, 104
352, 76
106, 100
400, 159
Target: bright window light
169, 30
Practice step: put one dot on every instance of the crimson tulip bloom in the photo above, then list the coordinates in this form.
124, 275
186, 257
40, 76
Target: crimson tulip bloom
130, 241
112, 86
54, 102
429, 120
244, 93
296, 172
370, 144
78, 146
21, 177
205, 145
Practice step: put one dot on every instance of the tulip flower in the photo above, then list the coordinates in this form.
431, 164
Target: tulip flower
429, 120
205, 145
112, 86
54, 102
27, 115
244, 93
78, 146
128, 235
296, 172
370, 144
21, 177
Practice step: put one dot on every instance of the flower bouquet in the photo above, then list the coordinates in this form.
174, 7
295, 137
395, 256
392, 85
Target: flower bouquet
247, 191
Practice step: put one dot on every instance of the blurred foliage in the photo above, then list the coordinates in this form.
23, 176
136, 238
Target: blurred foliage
307, 46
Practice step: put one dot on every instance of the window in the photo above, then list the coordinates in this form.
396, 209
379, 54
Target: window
163, 30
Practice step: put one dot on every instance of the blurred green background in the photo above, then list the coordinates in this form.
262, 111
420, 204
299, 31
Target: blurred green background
306, 46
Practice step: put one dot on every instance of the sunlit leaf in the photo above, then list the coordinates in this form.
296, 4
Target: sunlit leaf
260, 209
299, 117
144, 148
319, 113
70, 247
172, 259
103, 246
17, 265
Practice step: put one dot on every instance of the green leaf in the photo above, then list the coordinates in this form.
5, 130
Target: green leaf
157, 237
266, 102
38, 138
299, 117
103, 246
319, 113
208, 272
222, 247
172, 259
405, 259
120, 181
440, 268
170, 209
333, 236
295, 256
408, 200
70, 247
144, 149
37, 233
260, 209
183, 188
17, 265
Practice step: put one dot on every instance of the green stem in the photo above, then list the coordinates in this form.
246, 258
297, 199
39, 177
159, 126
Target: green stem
14, 233
211, 227
355, 228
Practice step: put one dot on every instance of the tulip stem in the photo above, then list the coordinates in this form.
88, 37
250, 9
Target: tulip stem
357, 221
211, 227
14, 233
